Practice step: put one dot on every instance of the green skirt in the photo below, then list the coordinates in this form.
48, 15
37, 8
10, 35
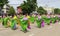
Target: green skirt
32, 19
47, 20
39, 23
54, 19
24, 25
13, 24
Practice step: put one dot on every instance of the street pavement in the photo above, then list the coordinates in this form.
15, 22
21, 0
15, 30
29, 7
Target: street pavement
48, 30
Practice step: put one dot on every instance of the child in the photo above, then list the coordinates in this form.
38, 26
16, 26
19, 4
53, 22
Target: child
42, 23
59, 17
54, 18
24, 23
38, 21
18, 19
5, 20
32, 19
13, 23
0, 19
48, 19
28, 22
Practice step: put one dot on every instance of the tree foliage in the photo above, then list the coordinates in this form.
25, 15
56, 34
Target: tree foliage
11, 11
56, 11
29, 6
41, 10
3, 2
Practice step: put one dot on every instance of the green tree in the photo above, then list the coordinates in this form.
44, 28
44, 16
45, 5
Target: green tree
3, 2
41, 10
28, 6
11, 11
56, 11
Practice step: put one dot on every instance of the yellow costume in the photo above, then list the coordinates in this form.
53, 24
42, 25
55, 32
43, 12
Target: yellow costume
28, 17
15, 17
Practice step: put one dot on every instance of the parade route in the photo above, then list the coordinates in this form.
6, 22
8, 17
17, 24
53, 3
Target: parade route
48, 30
29, 17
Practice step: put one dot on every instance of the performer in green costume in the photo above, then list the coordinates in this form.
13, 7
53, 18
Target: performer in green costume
0, 19
44, 18
24, 23
29, 27
54, 19
38, 21
13, 23
5, 21
47, 19
32, 19
59, 17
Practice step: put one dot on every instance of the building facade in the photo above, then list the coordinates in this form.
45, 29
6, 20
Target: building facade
50, 10
6, 8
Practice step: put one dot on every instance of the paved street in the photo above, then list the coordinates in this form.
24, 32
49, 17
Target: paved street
52, 30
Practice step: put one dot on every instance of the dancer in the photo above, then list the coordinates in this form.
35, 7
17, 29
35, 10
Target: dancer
18, 19
0, 19
24, 23
5, 20
56, 18
59, 17
3, 16
48, 19
38, 21
28, 22
32, 19
53, 19
44, 17
42, 23
13, 23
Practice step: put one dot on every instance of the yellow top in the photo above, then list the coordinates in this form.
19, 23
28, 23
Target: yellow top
28, 17
15, 17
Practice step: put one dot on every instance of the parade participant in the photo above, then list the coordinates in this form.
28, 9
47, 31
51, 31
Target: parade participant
24, 23
0, 19
13, 22
42, 23
18, 19
3, 16
32, 19
9, 22
21, 16
59, 17
38, 21
5, 20
54, 19
44, 17
28, 22
48, 19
